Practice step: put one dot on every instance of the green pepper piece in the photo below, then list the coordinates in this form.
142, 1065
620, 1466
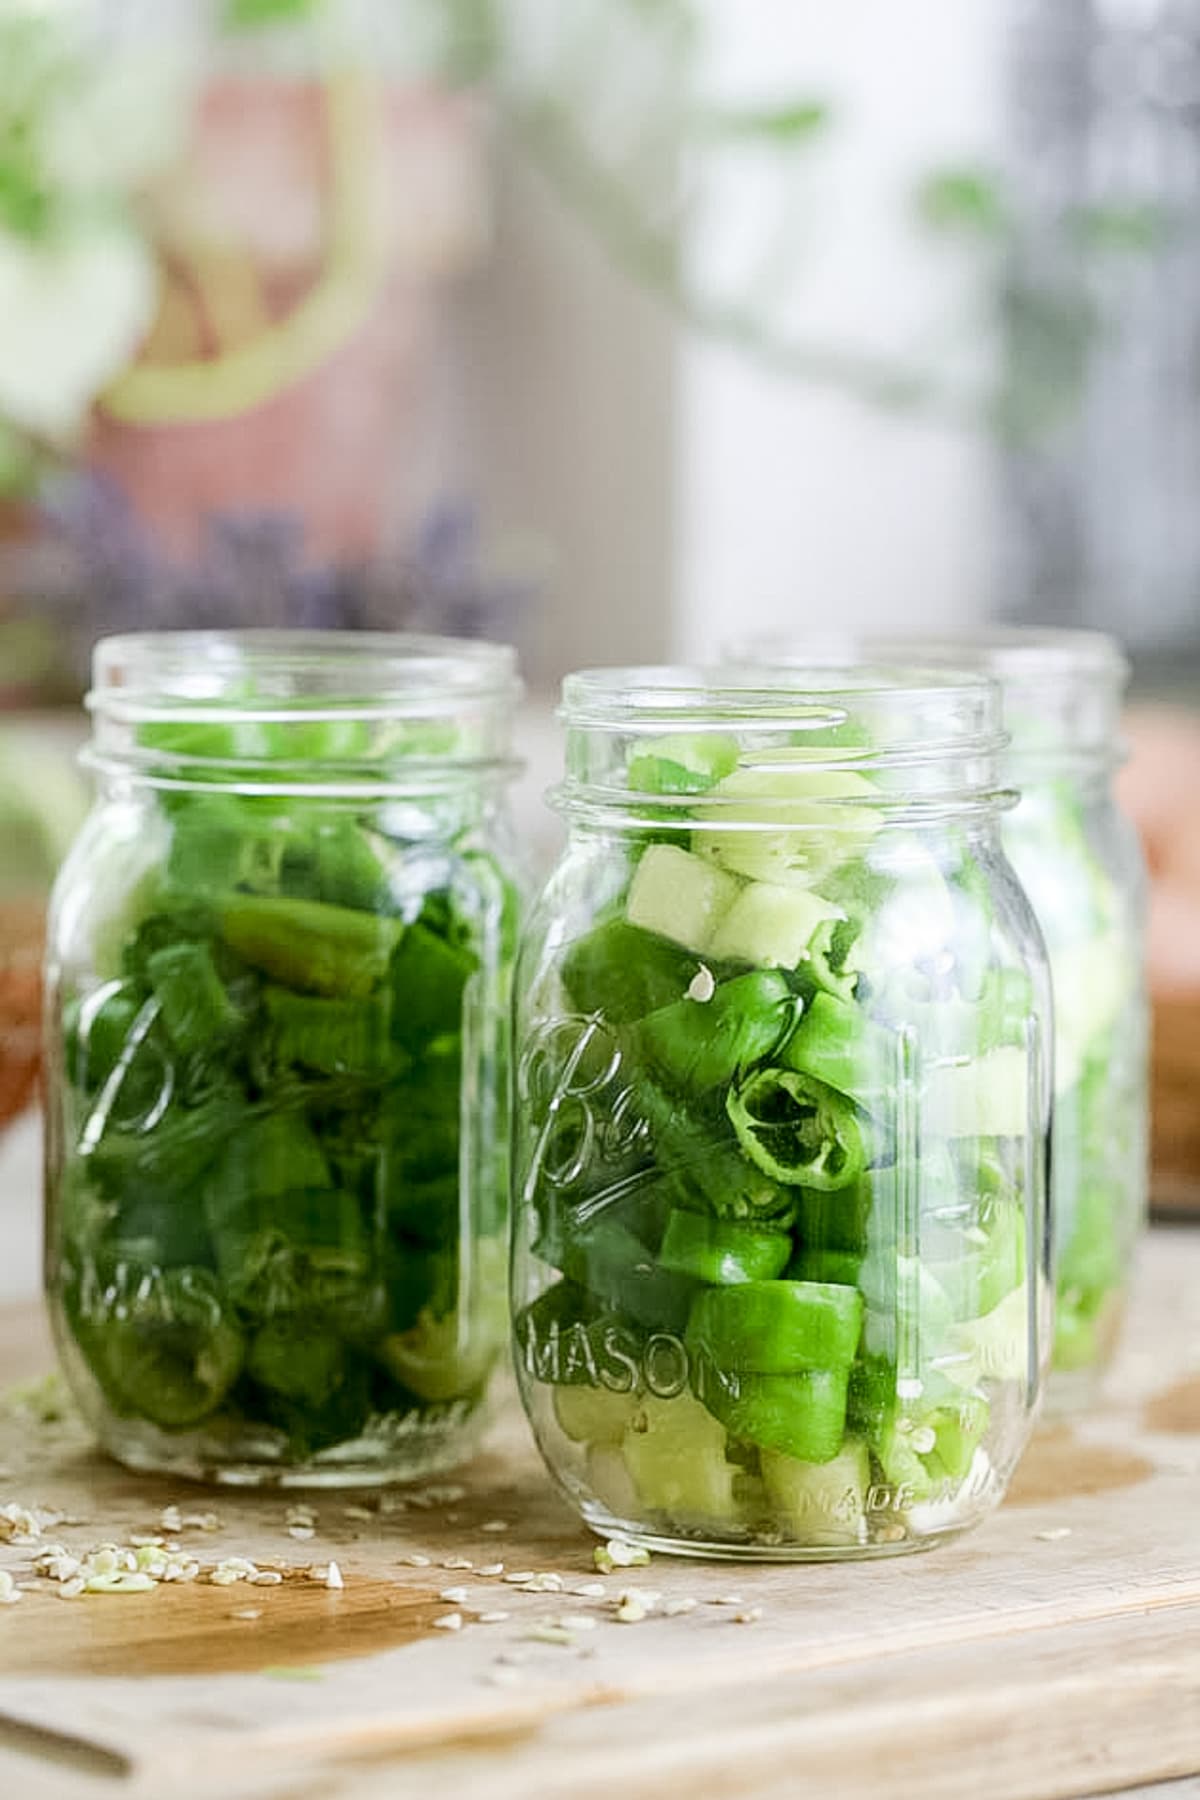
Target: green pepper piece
428, 979
985, 1263
223, 842
272, 1155
285, 1240
799, 1131
825, 969
703, 1166
623, 972
718, 1251
608, 1260
221, 740
339, 866
441, 1359
296, 1360
698, 1045
194, 1005
840, 1267
332, 1037
837, 1044
107, 1030
871, 1396
777, 1327
311, 947
924, 1447
840, 1221
419, 1129
688, 763
172, 1354
308, 1427
171, 1158
803, 1415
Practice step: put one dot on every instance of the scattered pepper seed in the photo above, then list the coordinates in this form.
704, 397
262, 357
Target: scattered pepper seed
675, 1608
750, 1615
1054, 1534
494, 1525
453, 1596
491, 1618
120, 1582
414, 1560
302, 1533
577, 1622
8, 1589
549, 1634
519, 1577
359, 1512
448, 1622
246, 1612
206, 1521
589, 1590
490, 1569
170, 1519
457, 1562
702, 986
546, 1583
333, 1577
617, 1554
266, 1578
726, 1600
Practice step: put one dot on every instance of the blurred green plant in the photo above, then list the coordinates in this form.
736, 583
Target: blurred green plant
79, 134
607, 97
638, 188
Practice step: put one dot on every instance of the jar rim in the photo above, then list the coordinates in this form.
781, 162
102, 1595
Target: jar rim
406, 712
1061, 687
934, 732
154, 673
657, 696
1049, 653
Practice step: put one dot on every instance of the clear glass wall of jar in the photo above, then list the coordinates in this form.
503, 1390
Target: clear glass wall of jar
780, 1280
278, 980
1080, 863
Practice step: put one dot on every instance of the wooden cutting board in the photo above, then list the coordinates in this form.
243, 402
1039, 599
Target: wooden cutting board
1055, 1652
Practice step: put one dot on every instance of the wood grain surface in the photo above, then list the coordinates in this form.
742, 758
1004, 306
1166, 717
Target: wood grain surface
1054, 1653
1175, 1093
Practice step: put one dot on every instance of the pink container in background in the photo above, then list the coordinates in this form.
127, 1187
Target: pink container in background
296, 367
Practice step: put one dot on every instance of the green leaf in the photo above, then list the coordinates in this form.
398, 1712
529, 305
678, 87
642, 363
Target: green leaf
792, 124
255, 15
966, 201
1136, 228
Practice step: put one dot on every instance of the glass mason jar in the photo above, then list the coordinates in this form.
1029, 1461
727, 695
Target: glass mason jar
780, 1242
1078, 857
278, 982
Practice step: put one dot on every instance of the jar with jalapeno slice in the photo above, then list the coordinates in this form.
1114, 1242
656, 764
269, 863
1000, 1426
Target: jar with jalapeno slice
780, 1278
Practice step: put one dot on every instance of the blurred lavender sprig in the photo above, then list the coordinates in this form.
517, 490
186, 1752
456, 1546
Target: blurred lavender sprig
252, 571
